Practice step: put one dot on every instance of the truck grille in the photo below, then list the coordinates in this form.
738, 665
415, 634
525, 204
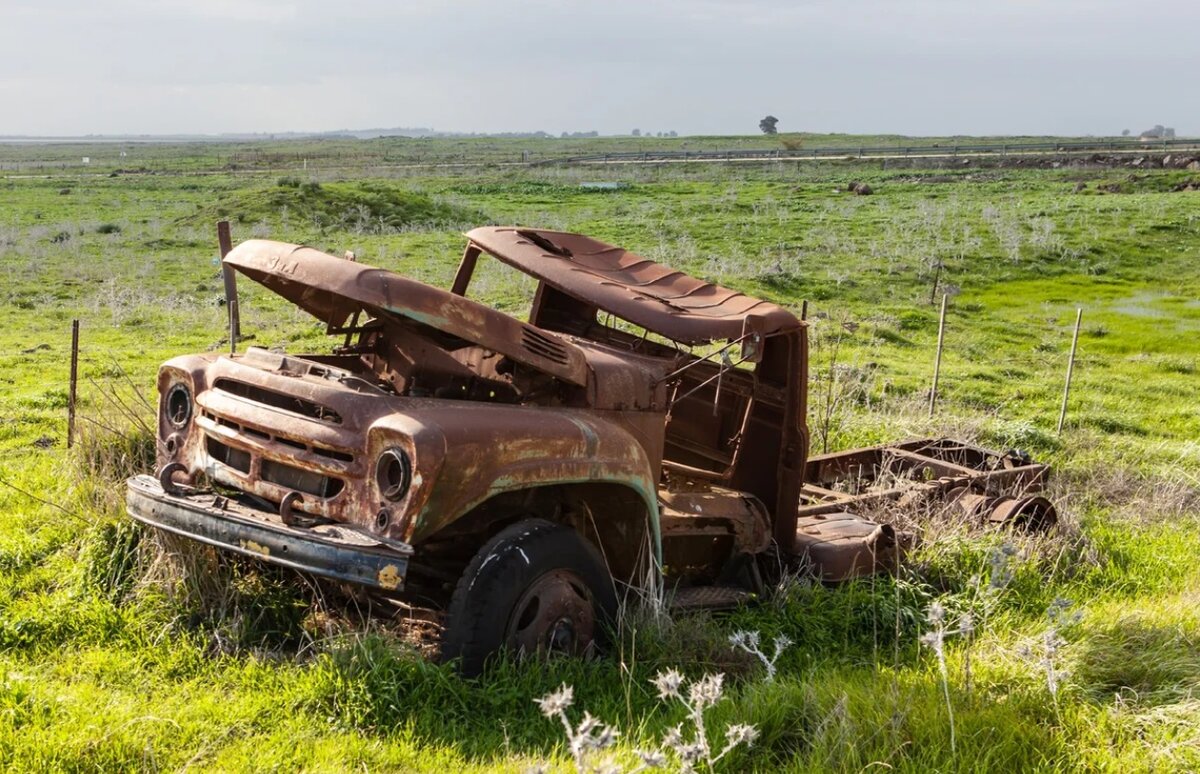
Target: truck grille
275, 472
279, 400
238, 459
255, 432
299, 479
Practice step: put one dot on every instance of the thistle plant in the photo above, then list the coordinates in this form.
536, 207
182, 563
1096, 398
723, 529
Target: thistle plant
1000, 566
1048, 652
1000, 574
689, 747
935, 639
692, 748
585, 740
749, 642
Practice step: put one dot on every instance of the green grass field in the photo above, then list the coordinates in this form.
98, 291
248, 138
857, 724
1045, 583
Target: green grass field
112, 659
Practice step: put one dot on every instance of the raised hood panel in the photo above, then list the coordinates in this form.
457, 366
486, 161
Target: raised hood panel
333, 289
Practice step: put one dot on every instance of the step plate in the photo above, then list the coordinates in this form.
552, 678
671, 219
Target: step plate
707, 598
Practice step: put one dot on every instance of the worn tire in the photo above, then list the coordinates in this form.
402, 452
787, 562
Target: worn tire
521, 560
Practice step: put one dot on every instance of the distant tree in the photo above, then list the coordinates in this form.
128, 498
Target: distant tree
672, 133
636, 133
767, 125
1125, 132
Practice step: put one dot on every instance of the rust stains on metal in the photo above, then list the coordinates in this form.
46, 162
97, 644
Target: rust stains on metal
256, 548
335, 290
656, 297
389, 578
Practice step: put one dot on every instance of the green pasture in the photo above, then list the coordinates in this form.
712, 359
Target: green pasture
107, 663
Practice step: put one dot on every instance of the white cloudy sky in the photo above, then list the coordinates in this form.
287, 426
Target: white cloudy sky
696, 66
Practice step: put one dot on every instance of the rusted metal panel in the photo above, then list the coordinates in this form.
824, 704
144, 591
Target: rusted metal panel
334, 289
335, 552
841, 545
840, 542
708, 526
461, 452
656, 297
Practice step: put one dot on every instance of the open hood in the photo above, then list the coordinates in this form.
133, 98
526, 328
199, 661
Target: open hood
333, 289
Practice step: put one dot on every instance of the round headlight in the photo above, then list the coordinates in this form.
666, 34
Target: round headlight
393, 474
179, 406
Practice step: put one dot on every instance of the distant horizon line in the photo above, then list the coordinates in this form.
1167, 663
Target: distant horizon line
430, 133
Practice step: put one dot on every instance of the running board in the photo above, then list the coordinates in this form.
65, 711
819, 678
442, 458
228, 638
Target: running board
707, 598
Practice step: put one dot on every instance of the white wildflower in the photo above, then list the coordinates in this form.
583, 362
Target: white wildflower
746, 640
706, 691
668, 683
673, 738
966, 624
1000, 562
936, 613
554, 704
741, 734
651, 759
749, 642
588, 724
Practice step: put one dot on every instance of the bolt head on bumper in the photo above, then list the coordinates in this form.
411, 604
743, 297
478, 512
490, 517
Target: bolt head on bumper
336, 551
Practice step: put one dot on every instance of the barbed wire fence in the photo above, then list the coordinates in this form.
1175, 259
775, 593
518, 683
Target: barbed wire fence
839, 382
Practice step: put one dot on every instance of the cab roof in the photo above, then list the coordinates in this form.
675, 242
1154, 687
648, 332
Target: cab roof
660, 299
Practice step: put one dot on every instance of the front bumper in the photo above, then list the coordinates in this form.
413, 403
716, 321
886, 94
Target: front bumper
335, 551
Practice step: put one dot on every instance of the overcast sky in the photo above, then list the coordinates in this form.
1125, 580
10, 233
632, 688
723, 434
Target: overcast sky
696, 66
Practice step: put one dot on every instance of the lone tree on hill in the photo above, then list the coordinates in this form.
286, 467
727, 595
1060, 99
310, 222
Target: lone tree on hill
768, 125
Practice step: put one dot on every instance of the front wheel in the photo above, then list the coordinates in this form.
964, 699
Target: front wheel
537, 589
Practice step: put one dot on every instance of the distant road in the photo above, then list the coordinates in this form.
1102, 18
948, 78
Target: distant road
927, 151
855, 153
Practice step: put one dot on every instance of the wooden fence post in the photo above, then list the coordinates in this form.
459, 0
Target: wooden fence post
1062, 414
937, 361
231, 296
73, 387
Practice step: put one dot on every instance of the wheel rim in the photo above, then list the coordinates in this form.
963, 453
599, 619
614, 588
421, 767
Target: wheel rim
555, 615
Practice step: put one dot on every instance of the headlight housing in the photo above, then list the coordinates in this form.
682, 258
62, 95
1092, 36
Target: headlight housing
393, 474
177, 407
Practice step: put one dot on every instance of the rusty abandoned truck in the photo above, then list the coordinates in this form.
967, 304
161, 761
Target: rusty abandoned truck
643, 427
